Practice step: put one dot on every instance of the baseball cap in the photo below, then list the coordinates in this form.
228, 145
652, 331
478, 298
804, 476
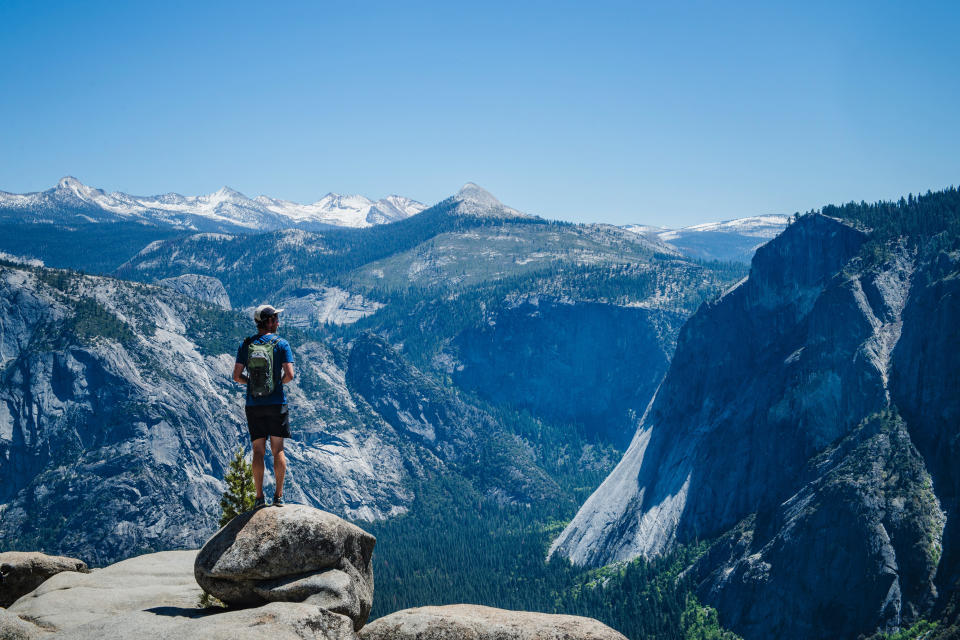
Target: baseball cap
264, 311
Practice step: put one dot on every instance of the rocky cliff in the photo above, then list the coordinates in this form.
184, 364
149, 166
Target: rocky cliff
608, 360
777, 427
202, 288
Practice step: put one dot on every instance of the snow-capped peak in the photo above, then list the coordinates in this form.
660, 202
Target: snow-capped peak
226, 193
72, 186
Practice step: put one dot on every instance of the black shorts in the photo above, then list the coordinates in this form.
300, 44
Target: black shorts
268, 420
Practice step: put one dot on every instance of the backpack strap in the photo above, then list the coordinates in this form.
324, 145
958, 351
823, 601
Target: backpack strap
246, 344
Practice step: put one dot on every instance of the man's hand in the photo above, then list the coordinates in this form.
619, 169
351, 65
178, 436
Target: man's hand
238, 374
287, 372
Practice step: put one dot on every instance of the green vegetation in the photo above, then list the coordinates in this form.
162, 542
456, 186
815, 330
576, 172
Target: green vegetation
95, 248
458, 546
912, 218
240, 493
921, 630
931, 220
237, 498
700, 623
217, 331
92, 320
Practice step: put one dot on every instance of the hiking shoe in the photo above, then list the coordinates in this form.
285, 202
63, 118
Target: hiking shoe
260, 502
278, 501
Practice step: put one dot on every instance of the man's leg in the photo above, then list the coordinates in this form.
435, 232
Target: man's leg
279, 463
259, 451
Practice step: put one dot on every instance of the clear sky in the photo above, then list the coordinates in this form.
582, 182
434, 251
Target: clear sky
667, 113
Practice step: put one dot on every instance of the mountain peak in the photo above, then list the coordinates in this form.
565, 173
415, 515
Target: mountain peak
474, 200
226, 192
69, 183
471, 192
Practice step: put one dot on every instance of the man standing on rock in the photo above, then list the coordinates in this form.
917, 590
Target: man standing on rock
268, 361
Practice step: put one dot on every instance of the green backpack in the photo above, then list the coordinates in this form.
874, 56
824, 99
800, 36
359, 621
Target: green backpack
260, 367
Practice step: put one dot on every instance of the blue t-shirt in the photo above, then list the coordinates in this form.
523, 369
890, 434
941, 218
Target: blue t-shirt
281, 353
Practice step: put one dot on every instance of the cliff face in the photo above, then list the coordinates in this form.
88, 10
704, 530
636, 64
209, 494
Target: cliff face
590, 364
925, 384
775, 425
202, 288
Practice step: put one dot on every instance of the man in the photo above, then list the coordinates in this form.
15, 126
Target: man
268, 361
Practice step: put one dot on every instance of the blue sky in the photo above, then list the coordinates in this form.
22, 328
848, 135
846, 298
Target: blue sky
662, 113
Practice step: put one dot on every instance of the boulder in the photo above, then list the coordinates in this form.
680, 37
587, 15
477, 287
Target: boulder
473, 622
156, 596
22, 572
69, 600
293, 553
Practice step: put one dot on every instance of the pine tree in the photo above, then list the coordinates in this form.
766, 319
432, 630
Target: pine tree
239, 495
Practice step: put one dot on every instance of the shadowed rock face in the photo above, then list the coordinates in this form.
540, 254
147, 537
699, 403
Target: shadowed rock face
606, 359
290, 554
473, 622
925, 383
22, 572
854, 547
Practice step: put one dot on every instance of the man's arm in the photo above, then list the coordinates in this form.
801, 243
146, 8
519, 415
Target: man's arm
238, 374
287, 372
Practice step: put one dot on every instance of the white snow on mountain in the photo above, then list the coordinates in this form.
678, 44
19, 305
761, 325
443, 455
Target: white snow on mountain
734, 240
645, 229
768, 226
348, 211
756, 227
225, 206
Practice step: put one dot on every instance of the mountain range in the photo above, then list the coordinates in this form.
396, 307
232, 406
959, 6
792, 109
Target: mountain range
71, 201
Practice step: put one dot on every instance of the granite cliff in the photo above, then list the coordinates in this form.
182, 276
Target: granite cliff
807, 421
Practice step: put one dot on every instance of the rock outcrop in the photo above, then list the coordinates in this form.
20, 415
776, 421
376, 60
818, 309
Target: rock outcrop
21, 572
203, 288
473, 622
290, 554
156, 596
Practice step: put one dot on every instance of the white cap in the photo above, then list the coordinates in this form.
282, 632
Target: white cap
264, 311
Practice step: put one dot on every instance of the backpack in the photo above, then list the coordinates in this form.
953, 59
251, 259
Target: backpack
260, 367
